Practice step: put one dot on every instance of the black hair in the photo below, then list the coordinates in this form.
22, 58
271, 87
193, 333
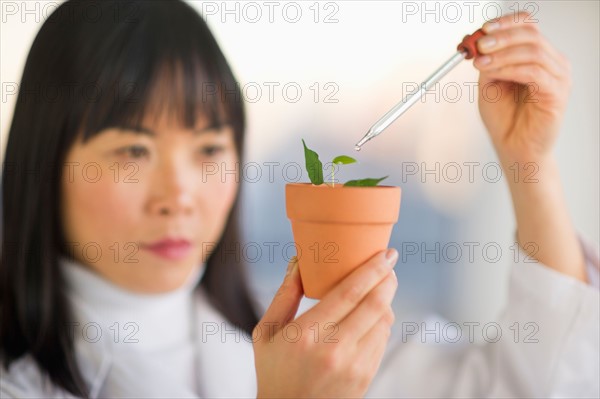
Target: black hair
95, 65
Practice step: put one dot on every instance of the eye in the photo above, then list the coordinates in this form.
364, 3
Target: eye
134, 151
212, 150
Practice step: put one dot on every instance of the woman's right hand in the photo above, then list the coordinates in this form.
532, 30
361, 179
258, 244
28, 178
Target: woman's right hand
335, 348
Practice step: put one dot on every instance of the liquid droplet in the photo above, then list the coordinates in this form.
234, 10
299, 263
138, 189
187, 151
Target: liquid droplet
357, 148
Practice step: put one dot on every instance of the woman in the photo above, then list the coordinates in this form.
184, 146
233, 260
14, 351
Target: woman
108, 286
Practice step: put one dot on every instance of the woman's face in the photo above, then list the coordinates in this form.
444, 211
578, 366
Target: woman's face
144, 209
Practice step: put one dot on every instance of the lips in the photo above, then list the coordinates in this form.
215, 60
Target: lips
169, 248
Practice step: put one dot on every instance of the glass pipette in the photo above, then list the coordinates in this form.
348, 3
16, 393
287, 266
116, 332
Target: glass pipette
467, 49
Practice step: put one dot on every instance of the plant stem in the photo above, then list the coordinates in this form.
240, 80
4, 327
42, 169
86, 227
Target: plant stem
332, 175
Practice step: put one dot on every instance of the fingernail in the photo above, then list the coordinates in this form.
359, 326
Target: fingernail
483, 60
487, 42
491, 26
391, 255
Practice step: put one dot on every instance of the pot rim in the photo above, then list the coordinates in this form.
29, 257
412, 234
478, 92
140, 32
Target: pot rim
316, 203
340, 185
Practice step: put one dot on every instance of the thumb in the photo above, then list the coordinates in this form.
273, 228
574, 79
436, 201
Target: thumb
285, 304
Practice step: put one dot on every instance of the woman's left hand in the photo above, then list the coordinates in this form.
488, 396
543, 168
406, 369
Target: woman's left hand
523, 120
524, 117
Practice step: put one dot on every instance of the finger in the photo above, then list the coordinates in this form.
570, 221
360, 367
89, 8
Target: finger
378, 330
286, 301
537, 79
523, 18
370, 311
493, 42
372, 346
509, 21
343, 298
520, 54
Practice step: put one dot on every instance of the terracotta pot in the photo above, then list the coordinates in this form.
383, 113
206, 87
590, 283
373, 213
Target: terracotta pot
336, 229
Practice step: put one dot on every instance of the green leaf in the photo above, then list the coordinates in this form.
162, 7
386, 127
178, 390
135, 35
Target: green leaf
313, 165
364, 182
343, 160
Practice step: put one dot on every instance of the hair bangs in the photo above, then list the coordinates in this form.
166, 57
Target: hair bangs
173, 75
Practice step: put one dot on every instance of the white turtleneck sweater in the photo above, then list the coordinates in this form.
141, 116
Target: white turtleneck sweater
157, 345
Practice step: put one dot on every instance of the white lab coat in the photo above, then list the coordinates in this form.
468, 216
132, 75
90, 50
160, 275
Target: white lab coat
564, 362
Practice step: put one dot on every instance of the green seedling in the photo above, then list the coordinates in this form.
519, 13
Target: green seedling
315, 169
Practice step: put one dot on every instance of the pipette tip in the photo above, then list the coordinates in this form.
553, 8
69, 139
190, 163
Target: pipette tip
362, 141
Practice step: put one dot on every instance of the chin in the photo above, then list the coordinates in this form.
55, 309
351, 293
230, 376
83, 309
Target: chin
161, 276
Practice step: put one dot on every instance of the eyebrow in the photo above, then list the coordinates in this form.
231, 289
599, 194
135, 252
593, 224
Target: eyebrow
214, 127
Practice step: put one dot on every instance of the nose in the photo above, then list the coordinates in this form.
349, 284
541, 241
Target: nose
171, 191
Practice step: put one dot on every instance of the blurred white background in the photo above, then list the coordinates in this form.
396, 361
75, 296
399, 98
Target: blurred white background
360, 58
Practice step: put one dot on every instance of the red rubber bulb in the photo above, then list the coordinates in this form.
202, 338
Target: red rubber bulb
469, 44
